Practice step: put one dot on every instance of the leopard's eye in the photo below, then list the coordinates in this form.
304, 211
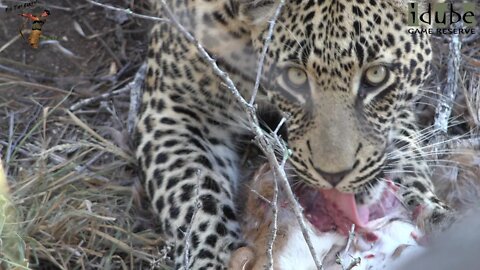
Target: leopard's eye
295, 78
376, 75
294, 84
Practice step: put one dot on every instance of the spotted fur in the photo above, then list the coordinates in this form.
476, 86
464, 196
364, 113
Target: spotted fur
343, 133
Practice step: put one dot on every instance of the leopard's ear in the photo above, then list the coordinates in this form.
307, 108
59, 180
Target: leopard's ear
255, 12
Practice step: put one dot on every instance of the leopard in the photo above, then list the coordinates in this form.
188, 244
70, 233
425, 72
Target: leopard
343, 75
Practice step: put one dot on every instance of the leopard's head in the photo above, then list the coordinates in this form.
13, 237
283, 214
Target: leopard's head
347, 72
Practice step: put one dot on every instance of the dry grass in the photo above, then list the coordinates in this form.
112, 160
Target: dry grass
72, 175
73, 184
456, 162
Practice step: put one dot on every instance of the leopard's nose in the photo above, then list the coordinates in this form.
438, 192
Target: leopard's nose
333, 178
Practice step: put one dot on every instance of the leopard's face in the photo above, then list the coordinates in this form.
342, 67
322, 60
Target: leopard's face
346, 72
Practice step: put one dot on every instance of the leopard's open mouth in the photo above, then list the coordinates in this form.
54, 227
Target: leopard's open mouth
330, 209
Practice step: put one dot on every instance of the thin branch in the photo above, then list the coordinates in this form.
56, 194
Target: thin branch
274, 203
260, 196
448, 93
274, 228
134, 86
447, 97
353, 263
135, 96
266, 44
129, 12
297, 208
278, 139
341, 258
87, 101
11, 124
351, 237
264, 141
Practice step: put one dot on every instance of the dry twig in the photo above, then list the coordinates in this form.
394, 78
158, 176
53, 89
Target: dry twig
103, 96
447, 97
342, 257
274, 203
135, 96
129, 12
266, 44
274, 226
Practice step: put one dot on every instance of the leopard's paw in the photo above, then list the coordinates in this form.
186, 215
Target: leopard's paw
433, 216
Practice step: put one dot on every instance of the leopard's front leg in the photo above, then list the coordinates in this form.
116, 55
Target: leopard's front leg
190, 182
187, 153
417, 191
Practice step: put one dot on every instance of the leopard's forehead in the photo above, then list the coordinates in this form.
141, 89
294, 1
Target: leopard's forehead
341, 34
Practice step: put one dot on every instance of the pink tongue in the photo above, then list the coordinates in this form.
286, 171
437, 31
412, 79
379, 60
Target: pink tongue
345, 202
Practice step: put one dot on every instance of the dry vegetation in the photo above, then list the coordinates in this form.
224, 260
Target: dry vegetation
454, 153
72, 173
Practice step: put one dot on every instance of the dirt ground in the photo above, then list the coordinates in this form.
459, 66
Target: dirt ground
71, 170
72, 175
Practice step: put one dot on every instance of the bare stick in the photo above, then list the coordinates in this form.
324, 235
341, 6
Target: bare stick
264, 141
266, 44
88, 101
297, 208
274, 228
129, 12
260, 196
341, 258
444, 107
135, 84
353, 263
447, 96
351, 236
135, 96
10, 138
274, 205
